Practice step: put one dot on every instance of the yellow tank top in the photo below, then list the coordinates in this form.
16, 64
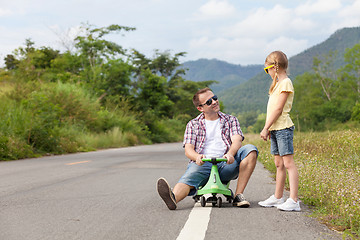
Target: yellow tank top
284, 120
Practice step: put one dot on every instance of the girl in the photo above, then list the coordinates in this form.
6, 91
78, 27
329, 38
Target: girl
280, 129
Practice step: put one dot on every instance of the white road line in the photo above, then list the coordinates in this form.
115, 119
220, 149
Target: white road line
196, 226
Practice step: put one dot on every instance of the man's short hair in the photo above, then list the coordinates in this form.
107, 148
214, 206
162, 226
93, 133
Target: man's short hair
196, 101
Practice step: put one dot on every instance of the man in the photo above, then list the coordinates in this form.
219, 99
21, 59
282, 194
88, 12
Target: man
211, 134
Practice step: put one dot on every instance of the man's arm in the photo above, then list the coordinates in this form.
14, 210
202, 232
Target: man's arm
192, 155
235, 146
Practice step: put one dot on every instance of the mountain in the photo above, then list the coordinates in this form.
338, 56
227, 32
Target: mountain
253, 94
228, 75
339, 41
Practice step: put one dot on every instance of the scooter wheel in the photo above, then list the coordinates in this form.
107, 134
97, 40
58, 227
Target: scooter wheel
203, 201
219, 202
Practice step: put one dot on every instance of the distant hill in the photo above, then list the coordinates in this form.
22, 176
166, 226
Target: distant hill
228, 75
253, 94
339, 41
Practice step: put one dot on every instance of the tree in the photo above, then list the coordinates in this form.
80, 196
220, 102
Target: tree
351, 71
177, 89
152, 95
308, 96
325, 74
328, 96
30, 63
94, 50
11, 62
102, 66
116, 81
44, 56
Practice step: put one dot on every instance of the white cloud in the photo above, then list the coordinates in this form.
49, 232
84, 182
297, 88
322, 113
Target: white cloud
319, 6
240, 32
257, 34
5, 12
65, 38
238, 50
348, 16
289, 46
215, 9
273, 22
351, 10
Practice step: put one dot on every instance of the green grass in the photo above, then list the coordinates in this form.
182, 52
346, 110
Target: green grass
5, 87
113, 138
329, 175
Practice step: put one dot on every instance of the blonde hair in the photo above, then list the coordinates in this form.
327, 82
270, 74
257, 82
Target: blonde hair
280, 61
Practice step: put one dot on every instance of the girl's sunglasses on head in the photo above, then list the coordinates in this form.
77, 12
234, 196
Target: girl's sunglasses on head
267, 68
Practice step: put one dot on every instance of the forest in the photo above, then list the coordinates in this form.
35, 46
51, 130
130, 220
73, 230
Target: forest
98, 95
328, 98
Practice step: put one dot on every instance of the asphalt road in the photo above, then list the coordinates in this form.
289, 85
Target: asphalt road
111, 194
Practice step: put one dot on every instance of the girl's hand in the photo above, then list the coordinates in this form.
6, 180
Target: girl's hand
265, 134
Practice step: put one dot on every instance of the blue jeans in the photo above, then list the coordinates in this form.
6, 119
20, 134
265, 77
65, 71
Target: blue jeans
197, 176
282, 141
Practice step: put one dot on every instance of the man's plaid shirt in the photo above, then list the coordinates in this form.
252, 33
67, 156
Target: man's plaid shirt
195, 131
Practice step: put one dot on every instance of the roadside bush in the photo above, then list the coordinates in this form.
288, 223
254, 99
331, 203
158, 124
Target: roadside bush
4, 151
60, 118
61, 103
15, 119
71, 141
12, 148
44, 139
164, 130
168, 130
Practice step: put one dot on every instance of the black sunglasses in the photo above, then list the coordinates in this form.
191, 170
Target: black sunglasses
209, 101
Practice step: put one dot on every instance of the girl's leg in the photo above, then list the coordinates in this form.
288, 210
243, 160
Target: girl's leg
280, 176
293, 175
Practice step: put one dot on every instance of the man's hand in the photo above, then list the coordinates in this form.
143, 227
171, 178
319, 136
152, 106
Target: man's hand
230, 158
199, 161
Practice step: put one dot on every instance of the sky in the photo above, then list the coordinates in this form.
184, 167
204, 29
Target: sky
236, 31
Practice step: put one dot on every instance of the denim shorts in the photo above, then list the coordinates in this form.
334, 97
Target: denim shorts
197, 176
282, 141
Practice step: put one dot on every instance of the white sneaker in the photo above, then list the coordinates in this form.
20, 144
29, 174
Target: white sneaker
271, 202
290, 205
